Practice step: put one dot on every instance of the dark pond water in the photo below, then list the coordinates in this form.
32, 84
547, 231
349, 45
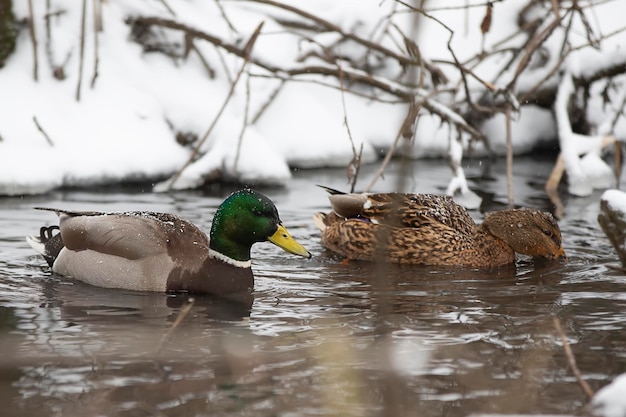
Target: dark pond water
322, 337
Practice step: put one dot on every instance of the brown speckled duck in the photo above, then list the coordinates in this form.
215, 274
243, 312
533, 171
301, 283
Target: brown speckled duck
149, 251
433, 230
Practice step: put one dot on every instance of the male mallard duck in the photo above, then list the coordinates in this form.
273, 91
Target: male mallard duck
433, 230
149, 251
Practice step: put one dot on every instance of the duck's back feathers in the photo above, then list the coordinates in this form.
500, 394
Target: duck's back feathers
403, 210
432, 230
132, 235
140, 250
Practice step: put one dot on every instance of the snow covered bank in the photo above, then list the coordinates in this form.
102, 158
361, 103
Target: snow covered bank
142, 85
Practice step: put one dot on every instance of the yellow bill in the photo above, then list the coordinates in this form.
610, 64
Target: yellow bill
283, 240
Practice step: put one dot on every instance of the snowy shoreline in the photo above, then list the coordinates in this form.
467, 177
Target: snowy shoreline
124, 125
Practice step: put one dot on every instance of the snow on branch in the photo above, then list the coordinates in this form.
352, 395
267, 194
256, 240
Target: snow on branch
580, 154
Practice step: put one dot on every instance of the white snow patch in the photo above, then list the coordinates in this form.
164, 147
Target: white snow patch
590, 171
610, 401
616, 200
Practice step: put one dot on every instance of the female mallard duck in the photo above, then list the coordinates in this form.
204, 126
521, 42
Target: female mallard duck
149, 251
433, 230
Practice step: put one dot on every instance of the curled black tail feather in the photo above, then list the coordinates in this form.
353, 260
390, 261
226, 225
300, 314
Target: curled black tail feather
52, 243
329, 190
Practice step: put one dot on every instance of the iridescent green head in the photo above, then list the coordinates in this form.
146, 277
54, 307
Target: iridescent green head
247, 217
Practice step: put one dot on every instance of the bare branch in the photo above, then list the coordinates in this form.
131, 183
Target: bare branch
43, 132
246, 55
572, 360
82, 49
267, 103
182, 313
409, 121
530, 49
509, 157
33, 38
244, 125
167, 7
97, 28
465, 6
354, 166
403, 60
58, 71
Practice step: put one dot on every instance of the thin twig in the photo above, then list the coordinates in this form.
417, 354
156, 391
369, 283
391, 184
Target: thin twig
168, 8
379, 32
555, 8
594, 40
43, 132
225, 66
406, 127
354, 168
403, 60
244, 125
58, 71
465, 6
82, 49
47, 18
233, 85
205, 63
354, 165
528, 95
557, 173
465, 18
619, 162
566, 36
269, 101
532, 46
618, 114
509, 156
33, 38
572, 360
97, 28
191, 45
468, 96
218, 3
414, 50
179, 318
358, 93
56, 13
530, 29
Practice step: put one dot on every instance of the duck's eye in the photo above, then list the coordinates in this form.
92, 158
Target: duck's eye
555, 237
258, 213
